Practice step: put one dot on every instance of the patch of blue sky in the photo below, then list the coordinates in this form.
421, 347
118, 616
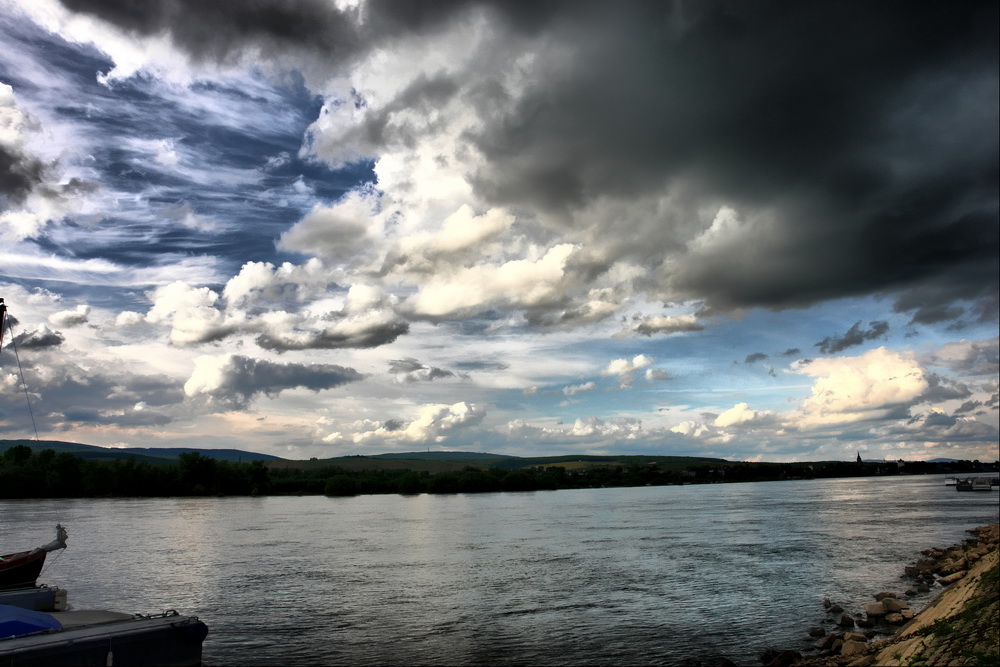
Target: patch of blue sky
35, 51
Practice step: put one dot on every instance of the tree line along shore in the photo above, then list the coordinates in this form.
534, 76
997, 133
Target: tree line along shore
45, 473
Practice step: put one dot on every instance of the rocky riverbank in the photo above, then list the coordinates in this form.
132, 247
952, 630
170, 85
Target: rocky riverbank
960, 627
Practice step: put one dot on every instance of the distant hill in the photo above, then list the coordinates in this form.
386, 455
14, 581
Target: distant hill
430, 461
450, 456
574, 461
146, 454
434, 462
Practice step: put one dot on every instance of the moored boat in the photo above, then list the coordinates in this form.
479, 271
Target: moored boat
973, 484
31, 637
36, 629
90, 637
21, 569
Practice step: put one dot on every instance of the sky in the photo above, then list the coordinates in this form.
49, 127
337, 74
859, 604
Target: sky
760, 231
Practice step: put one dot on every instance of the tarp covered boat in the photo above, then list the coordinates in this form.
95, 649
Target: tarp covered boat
94, 637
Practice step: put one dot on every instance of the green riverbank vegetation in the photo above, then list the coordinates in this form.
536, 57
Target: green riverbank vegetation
45, 473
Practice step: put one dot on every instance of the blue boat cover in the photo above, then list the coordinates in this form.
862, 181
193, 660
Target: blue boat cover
17, 621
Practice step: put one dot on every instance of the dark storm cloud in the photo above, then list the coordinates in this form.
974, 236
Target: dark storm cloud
980, 357
75, 416
96, 395
754, 357
39, 339
372, 336
791, 352
856, 335
19, 175
941, 388
857, 141
218, 29
244, 378
968, 406
393, 425
411, 370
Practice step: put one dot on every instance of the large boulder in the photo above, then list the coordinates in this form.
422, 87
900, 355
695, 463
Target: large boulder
875, 609
884, 594
853, 648
892, 604
845, 621
951, 578
953, 566
894, 618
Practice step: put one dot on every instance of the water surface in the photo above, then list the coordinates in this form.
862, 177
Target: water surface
651, 575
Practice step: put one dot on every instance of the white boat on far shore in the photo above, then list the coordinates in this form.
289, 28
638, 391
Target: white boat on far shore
974, 484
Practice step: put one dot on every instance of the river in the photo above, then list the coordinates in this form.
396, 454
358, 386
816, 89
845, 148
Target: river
651, 575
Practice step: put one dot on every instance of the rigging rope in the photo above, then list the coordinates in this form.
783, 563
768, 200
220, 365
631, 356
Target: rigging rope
24, 385
50, 561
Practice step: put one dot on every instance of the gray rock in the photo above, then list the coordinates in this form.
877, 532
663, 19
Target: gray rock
951, 578
875, 609
817, 632
836, 609
883, 595
892, 604
845, 621
894, 618
853, 648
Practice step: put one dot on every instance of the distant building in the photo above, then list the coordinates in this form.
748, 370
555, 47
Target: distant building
859, 458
